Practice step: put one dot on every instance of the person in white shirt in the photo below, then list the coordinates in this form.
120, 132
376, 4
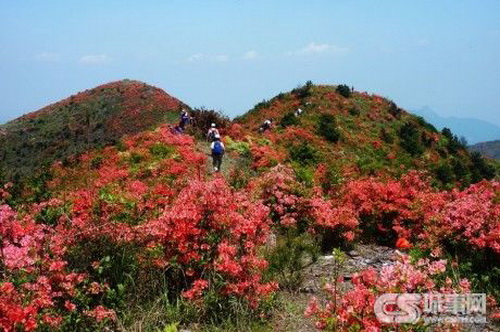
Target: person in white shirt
212, 133
265, 126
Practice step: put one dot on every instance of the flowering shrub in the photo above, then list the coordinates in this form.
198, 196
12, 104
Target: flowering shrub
212, 234
37, 288
292, 206
265, 156
472, 215
354, 309
411, 209
135, 211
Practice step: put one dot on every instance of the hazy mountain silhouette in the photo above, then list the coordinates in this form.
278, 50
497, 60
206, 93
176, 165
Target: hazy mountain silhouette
474, 130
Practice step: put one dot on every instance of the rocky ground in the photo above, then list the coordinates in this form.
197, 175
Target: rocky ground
317, 274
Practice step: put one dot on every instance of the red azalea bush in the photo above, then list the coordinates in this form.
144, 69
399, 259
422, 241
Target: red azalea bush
472, 215
293, 206
37, 288
265, 156
144, 209
411, 209
213, 235
354, 309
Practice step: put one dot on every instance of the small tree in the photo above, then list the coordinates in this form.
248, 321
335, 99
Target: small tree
410, 139
289, 120
327, 128
344, 90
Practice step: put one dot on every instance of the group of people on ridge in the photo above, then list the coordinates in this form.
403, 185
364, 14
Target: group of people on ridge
217, 147
213, 135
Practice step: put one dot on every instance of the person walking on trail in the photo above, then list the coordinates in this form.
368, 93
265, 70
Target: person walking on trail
298, 112
212, 133
177, 130
218, 150
184, 119
265, 126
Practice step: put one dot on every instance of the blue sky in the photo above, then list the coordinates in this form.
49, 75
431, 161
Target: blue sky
229, 55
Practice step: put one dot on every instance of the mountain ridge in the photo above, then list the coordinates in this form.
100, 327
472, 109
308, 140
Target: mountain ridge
473, 129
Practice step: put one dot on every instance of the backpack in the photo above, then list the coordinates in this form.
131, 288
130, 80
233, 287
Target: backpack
217, 149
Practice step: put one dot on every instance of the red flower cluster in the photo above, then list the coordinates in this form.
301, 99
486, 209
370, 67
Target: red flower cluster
411, 209
35, 279
355, 307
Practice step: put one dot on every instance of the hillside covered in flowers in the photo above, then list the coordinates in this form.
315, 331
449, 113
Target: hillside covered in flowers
138, 235
86, 120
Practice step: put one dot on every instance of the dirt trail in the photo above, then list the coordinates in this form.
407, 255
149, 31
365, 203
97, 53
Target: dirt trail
229, 161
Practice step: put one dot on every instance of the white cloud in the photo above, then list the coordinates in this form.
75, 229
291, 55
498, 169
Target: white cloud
250, 55
94, 59
48, 57
196, 57
315, 48
208, 57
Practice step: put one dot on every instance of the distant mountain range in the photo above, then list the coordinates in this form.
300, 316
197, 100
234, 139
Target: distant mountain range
474, 130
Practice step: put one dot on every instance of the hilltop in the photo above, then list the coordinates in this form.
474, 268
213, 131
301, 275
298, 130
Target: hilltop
92, 118
356, 133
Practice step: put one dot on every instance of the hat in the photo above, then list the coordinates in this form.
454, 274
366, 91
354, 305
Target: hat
213, 125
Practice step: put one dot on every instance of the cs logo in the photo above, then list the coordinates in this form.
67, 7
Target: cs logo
398, 308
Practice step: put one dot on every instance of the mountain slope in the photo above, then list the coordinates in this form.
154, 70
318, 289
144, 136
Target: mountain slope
144, 234
92, 118
359, 134
490, 149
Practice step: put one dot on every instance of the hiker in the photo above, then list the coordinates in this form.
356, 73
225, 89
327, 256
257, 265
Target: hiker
212, 133
177, 130
265, 126
217, 152
298, 112
184, 119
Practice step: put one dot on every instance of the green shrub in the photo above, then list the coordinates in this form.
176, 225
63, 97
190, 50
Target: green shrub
304, 174
453, 144
327, 128
160, 150
427, 125
460, 170
354, 111
289, 119
445, 174
386, 136
243, 148
96, 162
333, 177
292, 254
135, 158
411, 139
203, 118
304, 154
344, 90
394, 110
480, 168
